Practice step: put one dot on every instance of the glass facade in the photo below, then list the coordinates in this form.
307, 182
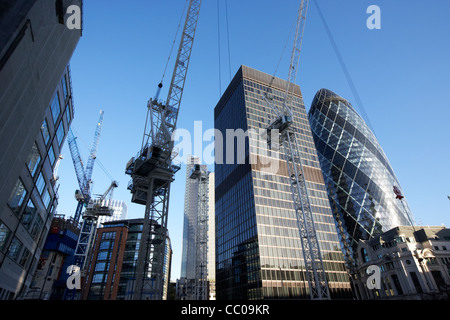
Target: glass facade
357, 173
258, 246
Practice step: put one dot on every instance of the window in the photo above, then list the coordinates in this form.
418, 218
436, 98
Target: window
60, 133
102, 266
14, 249
108, 235
98, 278
33, 159
104, 255
37, 227
4, 235
45, 132
24, 258
40, 183
46, 198
64, 86
28, 215
17, 196
104, 245
55, 107
51, 156
364, 255
68, 114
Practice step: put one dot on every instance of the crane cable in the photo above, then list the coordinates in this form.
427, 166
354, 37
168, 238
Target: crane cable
345, 70
228, 43
281, 58
96, 158
218, 47
174, 40
228, 38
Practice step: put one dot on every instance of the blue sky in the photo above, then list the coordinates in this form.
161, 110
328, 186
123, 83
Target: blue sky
400, 72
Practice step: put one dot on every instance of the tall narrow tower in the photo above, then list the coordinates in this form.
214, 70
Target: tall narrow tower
196, 234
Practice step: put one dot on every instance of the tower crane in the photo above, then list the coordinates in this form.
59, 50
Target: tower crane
153, 169
94, 209
83, 195
315, 272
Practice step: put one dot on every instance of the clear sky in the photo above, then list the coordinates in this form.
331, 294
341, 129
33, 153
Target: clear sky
400, 72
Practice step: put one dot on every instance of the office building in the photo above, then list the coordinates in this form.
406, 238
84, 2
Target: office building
414, 264
190, 227
258, 244
359, 179
36, 112
112, 264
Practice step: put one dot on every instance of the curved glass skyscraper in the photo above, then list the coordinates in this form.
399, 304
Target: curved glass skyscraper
357, 173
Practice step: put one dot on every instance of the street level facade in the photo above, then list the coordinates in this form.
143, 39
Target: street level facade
414, 263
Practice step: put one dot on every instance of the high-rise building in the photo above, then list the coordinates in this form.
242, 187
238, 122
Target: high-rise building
190, 229
112, 264
119, 211
35, 115
258, 245
359, 179
211, 239
190, 221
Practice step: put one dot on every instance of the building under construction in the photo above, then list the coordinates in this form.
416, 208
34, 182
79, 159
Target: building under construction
49, 279
198, 257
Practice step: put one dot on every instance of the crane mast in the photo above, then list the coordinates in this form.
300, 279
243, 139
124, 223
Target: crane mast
315, 272
153, 169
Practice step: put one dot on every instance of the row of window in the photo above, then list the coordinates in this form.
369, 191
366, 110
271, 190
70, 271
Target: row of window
27, 211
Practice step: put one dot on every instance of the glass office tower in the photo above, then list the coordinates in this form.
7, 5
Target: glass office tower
258, 247
357, 173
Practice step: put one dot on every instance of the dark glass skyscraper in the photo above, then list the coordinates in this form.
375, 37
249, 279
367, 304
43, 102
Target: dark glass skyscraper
357, 173
258, 246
